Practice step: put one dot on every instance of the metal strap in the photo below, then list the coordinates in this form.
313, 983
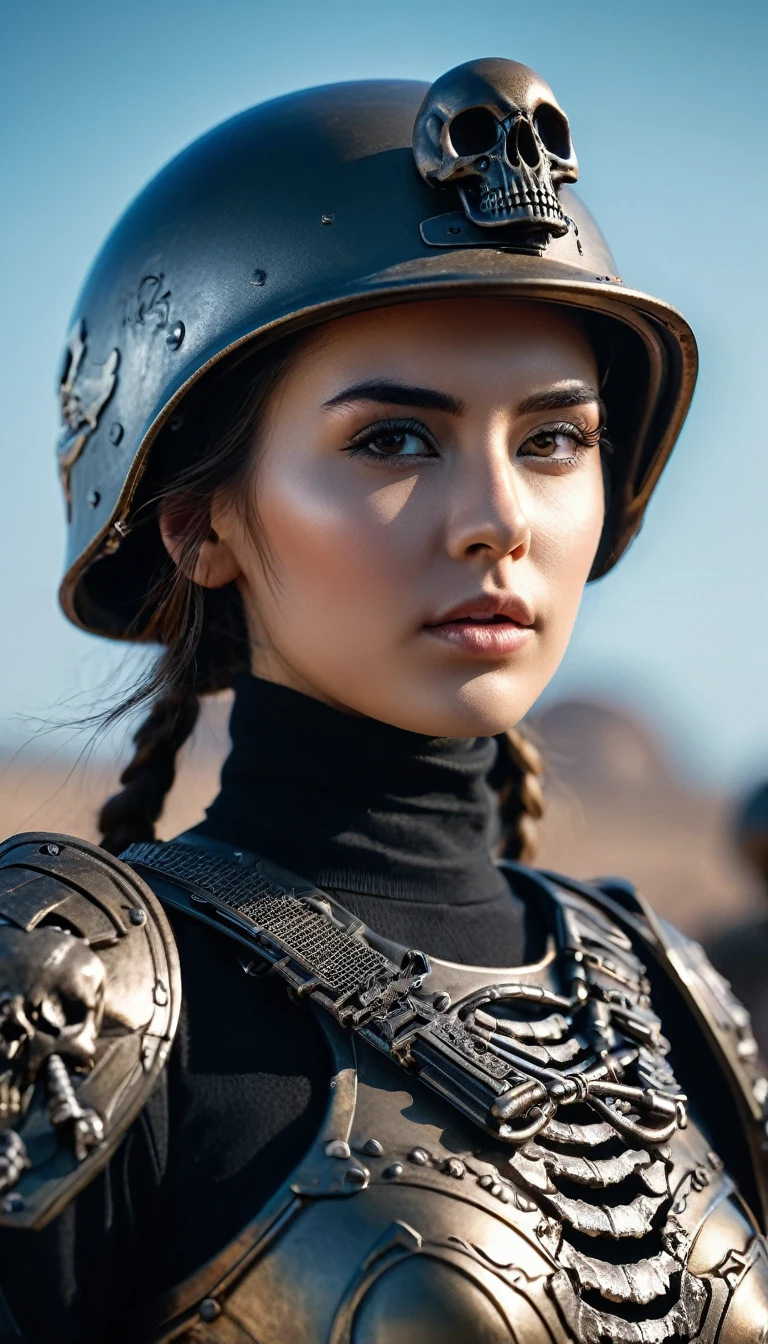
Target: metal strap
511, 1091
321, 952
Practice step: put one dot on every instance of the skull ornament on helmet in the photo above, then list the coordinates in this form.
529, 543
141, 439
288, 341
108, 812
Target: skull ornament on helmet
494, 130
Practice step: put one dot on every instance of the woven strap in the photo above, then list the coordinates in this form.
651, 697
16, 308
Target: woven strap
341, 961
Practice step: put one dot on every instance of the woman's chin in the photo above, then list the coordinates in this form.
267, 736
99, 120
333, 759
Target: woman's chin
472, 711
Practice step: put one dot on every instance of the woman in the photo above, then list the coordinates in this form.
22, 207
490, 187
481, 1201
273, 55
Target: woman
337, 403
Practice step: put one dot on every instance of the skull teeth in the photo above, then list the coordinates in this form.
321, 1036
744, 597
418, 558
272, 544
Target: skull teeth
493, 200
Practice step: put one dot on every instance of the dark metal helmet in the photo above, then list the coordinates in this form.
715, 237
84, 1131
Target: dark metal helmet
322, 203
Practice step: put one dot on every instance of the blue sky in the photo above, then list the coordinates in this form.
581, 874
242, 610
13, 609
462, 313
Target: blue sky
667, 106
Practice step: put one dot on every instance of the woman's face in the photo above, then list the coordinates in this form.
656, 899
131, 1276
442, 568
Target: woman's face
430, 500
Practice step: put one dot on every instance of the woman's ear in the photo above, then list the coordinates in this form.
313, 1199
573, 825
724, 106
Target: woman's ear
215, 563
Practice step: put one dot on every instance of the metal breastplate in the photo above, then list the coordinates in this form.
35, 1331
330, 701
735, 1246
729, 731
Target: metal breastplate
405, 1223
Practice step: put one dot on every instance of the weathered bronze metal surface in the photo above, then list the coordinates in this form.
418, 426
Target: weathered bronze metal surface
586, 1206
495, 130
89, 1001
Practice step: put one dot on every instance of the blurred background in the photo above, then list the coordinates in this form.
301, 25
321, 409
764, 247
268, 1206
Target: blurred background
657, 723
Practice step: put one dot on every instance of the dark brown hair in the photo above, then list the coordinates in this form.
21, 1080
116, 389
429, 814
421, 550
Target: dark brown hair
207, 447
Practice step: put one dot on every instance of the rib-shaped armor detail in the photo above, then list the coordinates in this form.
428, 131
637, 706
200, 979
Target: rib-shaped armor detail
584, 1204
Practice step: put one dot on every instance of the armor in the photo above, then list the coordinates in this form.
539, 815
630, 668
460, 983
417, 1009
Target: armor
89, 1002
318, 204
506, 1154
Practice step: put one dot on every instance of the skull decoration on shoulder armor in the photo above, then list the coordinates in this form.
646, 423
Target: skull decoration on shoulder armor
89, 997
495, 131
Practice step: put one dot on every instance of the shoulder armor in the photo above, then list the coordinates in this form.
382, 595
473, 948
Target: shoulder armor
89, 1002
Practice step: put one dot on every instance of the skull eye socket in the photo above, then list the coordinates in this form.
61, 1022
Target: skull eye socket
473, 131
50, 1016
521, 144
553, 131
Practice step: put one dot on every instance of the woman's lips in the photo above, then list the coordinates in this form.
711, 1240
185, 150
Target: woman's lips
488, 624
491, 638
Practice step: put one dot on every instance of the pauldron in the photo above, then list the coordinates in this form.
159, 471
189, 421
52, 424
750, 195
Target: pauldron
89, 1001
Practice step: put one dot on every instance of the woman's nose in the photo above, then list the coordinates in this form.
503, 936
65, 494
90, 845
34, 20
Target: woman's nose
488, 513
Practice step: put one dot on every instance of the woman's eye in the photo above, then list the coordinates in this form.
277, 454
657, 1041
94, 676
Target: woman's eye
396, 442
555, 444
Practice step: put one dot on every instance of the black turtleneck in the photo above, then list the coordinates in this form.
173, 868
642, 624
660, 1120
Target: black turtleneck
400, 827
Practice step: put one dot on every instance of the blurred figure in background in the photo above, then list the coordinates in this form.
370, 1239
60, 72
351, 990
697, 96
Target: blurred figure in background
740, 953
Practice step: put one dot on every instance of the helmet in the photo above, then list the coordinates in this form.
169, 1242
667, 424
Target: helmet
322, 203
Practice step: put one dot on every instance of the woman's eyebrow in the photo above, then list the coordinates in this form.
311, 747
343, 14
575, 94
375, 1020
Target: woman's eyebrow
560, 398
398, 394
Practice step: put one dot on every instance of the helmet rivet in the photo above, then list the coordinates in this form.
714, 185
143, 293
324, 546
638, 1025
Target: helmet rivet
454, 228
327, 218
115, 432
259, 277
50, 849
137, 916
209, 1309
175, 336
94, 499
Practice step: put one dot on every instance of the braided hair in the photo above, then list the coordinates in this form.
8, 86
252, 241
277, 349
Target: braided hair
518, 776
203, 632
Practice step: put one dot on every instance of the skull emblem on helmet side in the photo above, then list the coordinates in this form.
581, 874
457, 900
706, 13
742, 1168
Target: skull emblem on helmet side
494, 130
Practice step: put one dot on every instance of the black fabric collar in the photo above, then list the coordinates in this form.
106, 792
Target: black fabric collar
357, 805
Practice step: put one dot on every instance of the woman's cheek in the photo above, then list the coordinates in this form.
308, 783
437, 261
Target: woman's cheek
565, 534
567, 523
338, 553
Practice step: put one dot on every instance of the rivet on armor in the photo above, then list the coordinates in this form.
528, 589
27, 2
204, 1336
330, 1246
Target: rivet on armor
327, 218
50, 849
486, 1182
372, 1148
116, 432
395, 1170
700, 1178
175, 336
94, 499
13, 1204
357, 1176
137, 915
419, 1156
454, 1167
337, 1148
442, 1001
209, 1309
258, 277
